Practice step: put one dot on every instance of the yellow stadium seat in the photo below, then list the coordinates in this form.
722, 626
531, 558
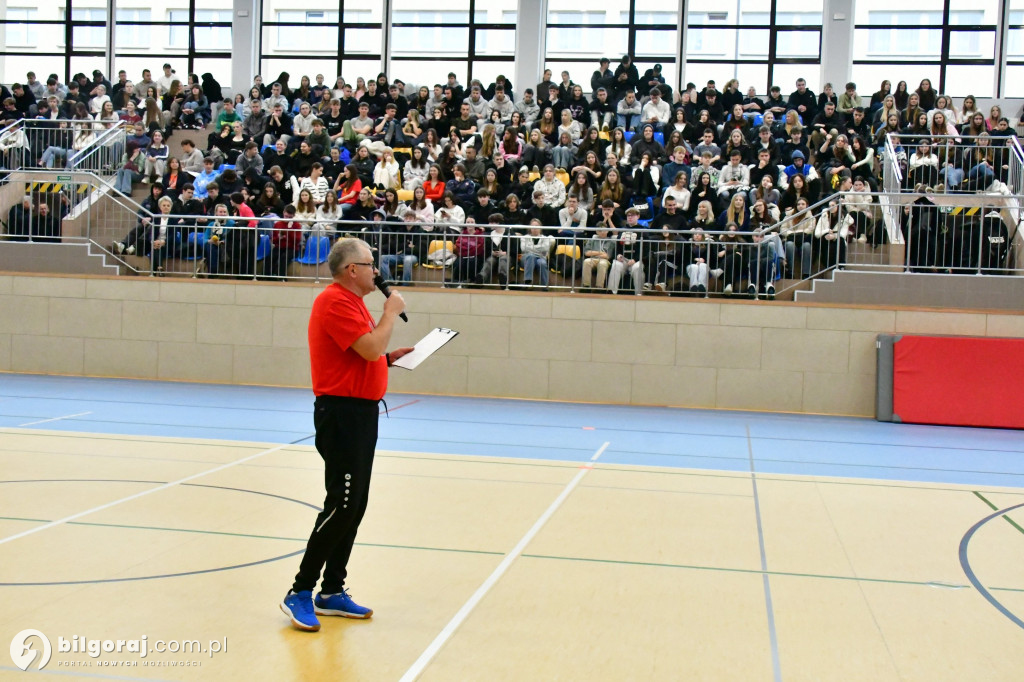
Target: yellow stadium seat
435, 246
605, 135
565, 250
405, 195
534, 177
563, 175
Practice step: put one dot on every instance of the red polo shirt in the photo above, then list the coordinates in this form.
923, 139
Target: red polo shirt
340, 317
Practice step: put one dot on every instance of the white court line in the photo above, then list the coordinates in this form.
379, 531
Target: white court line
136, 496
55, 419
431, 651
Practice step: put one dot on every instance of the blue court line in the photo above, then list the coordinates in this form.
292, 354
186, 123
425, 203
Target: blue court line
965, 564
772, 634
787, 444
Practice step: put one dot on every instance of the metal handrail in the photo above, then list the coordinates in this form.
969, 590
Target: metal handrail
101, 142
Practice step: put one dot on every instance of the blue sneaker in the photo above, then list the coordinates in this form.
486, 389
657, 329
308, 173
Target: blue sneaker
340, 604
299, 607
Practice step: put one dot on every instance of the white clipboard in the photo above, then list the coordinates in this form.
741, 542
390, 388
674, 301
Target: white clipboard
425, 348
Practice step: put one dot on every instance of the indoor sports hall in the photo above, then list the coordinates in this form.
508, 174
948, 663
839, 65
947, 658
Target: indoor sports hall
734, 340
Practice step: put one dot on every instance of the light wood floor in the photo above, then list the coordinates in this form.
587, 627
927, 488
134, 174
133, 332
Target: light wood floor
639, 573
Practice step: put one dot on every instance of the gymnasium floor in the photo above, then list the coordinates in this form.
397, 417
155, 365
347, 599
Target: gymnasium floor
509, 540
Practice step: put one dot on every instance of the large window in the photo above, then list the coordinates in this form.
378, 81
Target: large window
329, 37
189, 38
1014, 50
759, 42
24, 32
950, 42
580, 34
52, 36
475, 39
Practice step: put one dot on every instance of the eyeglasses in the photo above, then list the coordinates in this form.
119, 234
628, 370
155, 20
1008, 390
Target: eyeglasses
369, 265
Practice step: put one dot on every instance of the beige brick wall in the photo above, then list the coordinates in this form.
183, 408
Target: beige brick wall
652, 351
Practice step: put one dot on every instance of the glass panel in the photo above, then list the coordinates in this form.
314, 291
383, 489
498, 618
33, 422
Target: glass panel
271, 8
318, 32
416, 71
486, 72
650, 12
970, 80
296, 67
494, 42
912, 13
568, 12
725, 43
655, 44
212, 38
497, 12
585, 42
1014, 82
977, 44
134, 66
88, 37
85, 65
22, 35
363, 41
579, 72
786, 75
876, 73
366, 68
798, 44
433, 40
14, 67
128, 35
1015, 43
417, 5
897, 43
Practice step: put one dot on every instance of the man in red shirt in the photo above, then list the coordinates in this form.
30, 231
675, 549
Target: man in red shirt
241, 241
350, 375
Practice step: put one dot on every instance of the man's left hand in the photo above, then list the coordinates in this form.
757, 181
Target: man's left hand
399, 352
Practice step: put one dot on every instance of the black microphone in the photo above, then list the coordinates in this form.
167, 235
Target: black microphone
386, 290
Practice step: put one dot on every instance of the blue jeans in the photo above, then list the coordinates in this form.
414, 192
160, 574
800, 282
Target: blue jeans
124, 180
389, 262
626, 121
981, 175
533, 262
805, 257
52, 153
954, 176
562, 157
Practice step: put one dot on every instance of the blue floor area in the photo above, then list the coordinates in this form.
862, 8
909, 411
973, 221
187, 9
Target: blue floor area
693, 439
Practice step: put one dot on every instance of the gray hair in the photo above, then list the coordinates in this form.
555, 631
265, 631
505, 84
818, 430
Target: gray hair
343, 252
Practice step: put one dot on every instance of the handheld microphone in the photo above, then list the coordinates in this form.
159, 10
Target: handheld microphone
386, 290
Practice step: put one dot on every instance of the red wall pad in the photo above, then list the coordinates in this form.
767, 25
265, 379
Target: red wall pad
959, 381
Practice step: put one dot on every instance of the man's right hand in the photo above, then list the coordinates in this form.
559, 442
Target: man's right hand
394, 304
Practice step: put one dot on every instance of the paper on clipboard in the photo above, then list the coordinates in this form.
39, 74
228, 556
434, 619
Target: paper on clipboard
425, 348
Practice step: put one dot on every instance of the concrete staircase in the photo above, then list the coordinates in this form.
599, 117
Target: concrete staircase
77, 258
987, 292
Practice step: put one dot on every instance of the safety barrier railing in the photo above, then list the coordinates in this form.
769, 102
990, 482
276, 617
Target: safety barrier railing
951, 163
932, 232
105, 155
38, 144
633, 260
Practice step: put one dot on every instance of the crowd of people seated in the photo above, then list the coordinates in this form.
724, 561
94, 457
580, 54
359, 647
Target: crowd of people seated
592, 173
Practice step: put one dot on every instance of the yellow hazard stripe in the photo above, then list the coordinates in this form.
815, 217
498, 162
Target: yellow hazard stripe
957, 210
973, 210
